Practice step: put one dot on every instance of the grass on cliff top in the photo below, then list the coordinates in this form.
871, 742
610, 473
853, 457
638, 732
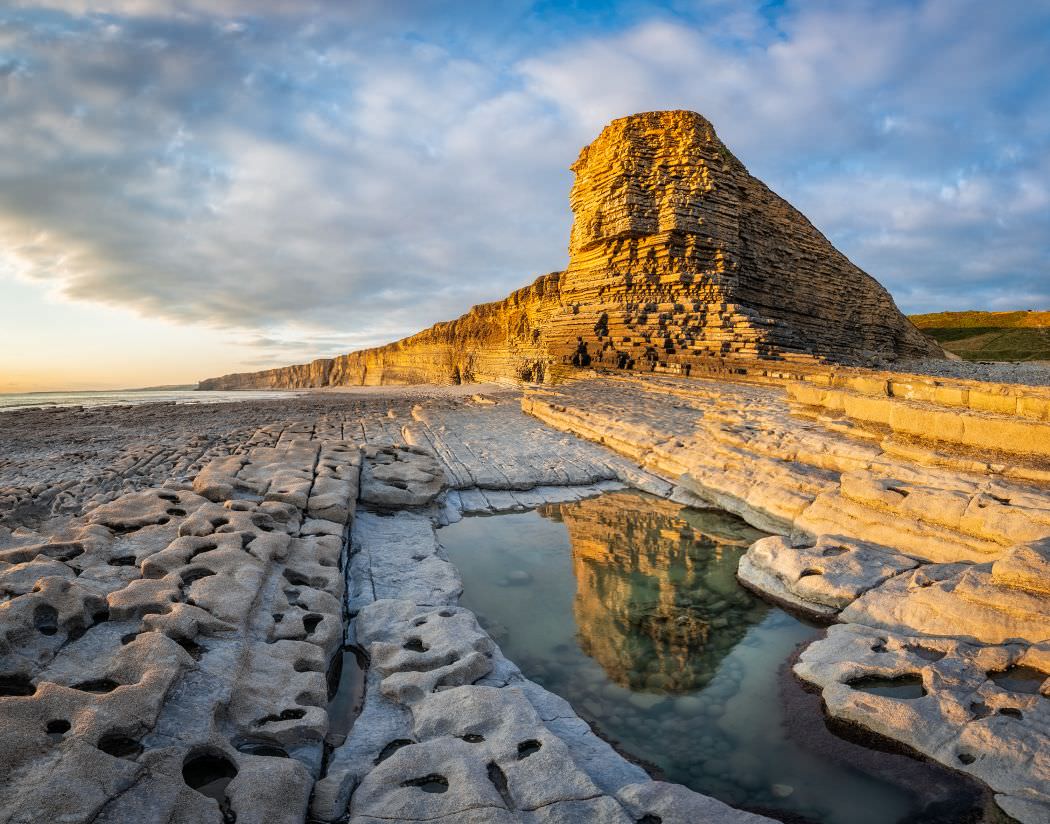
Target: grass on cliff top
991, 336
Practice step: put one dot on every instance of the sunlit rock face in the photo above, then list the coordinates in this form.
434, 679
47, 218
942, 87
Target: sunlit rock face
657, 604
679, 261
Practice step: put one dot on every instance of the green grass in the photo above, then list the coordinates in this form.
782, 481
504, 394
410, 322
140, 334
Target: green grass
991, 336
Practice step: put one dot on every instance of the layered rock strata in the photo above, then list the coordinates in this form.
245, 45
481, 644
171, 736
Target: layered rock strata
210, 683
679, 261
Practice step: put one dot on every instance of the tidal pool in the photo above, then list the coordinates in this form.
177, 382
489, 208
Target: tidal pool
628, 606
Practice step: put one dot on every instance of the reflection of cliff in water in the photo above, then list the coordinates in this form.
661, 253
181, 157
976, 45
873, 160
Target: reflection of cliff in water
657, 603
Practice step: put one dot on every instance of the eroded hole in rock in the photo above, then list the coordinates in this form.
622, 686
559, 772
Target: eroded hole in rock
16, 685
499, 781
262, 523
305, 666
806, 573
432, 783
168, 496
119, 746
903, 686
527, 748
45, 619
201, 550
127, 639
263, 748
1011, 712
346, 689
1019, 679
176, 512
98, 685
284, 715
980, 710
445, 613
415, 645
57, 727
123, 561
650, 818
310, 621
419, 622
63, 552
879, 646
100, 617
296, 578
191, 575
278, 617
967, 758
392, 748
926, 653
246, 539
834, 551
192, 647
902, 492
473, 738
210, 774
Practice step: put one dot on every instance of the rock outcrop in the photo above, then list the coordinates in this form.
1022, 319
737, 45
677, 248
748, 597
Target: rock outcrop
679, 261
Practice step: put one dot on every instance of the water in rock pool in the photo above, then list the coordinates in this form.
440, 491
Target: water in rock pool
628, 606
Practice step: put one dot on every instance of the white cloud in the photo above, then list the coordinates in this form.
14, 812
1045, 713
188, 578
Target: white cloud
325, 180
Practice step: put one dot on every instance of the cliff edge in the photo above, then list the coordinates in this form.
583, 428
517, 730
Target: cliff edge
679, 261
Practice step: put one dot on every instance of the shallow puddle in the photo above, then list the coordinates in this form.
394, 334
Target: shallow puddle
628, 606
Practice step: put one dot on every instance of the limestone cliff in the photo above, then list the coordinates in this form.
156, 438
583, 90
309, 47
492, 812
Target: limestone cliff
679, 260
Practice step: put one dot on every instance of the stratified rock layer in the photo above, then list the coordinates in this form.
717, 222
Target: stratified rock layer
679, 261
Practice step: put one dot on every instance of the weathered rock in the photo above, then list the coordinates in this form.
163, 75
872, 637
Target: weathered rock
941, 697
394, 477
679, 261
821, 578
964, 601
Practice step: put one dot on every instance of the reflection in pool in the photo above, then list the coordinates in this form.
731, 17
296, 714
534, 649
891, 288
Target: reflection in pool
628, 606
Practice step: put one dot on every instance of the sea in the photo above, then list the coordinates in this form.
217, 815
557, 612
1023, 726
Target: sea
132, 397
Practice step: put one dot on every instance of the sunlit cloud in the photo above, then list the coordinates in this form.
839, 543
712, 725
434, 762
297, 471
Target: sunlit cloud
309, 178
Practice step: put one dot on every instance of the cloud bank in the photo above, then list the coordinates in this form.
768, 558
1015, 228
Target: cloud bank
311, 174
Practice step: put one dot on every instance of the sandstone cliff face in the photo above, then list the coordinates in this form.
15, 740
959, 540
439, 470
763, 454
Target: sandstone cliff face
679, 260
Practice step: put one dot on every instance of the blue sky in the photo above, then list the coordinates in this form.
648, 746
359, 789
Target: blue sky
189, 188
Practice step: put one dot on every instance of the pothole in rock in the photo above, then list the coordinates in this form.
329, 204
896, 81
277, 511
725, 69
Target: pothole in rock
120, 746
262, 748
428, 783
45, 619
98, 685
346, 691
210, 774
902, 686
1019, 679
391, 748
283, 715
527, 748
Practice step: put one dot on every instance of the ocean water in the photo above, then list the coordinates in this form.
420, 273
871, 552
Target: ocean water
134, 397
628, 607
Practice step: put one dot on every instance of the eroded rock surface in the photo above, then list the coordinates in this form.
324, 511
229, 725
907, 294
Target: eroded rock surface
164, 657
168, 630
983, 710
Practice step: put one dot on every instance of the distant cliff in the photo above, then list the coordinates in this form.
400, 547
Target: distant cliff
679, 260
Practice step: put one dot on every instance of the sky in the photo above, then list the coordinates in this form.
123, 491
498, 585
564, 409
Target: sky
196, 187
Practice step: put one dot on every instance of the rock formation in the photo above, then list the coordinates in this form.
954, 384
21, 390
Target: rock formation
679, 261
